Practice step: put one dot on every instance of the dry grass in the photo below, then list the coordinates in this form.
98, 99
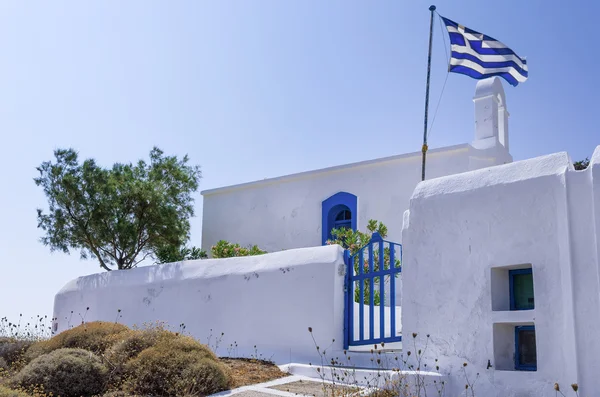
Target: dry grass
6, 392
95, 336
247, 371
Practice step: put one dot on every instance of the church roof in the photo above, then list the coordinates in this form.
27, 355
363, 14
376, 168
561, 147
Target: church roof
344, 167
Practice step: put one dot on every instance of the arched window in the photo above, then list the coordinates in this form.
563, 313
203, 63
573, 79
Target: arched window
343, 219
339, 211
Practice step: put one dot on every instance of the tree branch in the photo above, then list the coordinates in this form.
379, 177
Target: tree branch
114, 241
88, 239
135, 250
141, 260
140, 247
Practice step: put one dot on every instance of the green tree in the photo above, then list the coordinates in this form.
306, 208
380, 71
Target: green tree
582, 165
354, 241
169, 254
120, 215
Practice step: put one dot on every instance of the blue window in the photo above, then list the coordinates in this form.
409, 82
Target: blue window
343, 219
525, 350
521, 289
338, 211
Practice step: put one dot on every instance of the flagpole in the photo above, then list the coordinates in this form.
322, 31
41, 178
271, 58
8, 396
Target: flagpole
424, 148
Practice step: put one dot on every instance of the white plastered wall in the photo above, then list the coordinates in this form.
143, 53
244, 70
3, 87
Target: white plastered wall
463, 232
284, 214
267, 301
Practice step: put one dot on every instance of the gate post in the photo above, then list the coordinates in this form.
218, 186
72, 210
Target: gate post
348, 321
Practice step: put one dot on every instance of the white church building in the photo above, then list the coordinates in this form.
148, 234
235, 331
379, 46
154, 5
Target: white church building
496, 261
298, 210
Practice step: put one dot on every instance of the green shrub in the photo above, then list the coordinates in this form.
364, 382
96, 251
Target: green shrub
202, 378
95, 336
175, 367
354, 241
12, 350
128, 345
65, 373
6, 392
171, 253
224, 249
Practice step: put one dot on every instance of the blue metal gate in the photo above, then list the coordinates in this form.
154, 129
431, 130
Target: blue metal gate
371, 293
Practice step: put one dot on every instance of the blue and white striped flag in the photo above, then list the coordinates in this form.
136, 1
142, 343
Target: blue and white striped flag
481, 56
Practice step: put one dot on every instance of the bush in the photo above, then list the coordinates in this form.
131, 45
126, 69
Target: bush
12, 350
95, 336
224, 249
175, 367
6, 392
202, 378
170, 254
65, 373
354, 241
128, 345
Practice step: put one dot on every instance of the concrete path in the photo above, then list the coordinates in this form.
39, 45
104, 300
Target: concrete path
305, 380
291, 386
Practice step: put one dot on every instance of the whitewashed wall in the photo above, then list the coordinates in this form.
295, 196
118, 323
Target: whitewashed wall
462, 233
285, 212
267, 301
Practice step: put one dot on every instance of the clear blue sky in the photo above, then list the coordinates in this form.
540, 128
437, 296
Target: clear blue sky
256, 89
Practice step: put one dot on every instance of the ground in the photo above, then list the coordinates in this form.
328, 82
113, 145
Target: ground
247, 371
295, 385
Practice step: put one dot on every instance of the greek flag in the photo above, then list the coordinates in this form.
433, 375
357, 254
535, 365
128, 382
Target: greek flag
481, 56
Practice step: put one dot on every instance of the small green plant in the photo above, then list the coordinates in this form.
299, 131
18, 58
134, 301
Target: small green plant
354, 241
582, 165
170, 254
225, 249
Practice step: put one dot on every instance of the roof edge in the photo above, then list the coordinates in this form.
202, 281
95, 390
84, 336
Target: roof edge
305, 174
541, 166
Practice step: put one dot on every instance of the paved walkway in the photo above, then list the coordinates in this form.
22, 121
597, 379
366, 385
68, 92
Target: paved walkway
290, 386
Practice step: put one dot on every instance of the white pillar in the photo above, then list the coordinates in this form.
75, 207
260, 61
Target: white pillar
491, 115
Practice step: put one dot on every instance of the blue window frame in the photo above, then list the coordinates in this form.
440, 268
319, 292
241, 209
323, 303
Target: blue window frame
521, 289
525, 348
339, 210
343, 219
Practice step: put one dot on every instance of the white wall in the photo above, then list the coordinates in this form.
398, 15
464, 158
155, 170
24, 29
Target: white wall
268, 300
387, 315
283, 213
463, 232
286, 213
